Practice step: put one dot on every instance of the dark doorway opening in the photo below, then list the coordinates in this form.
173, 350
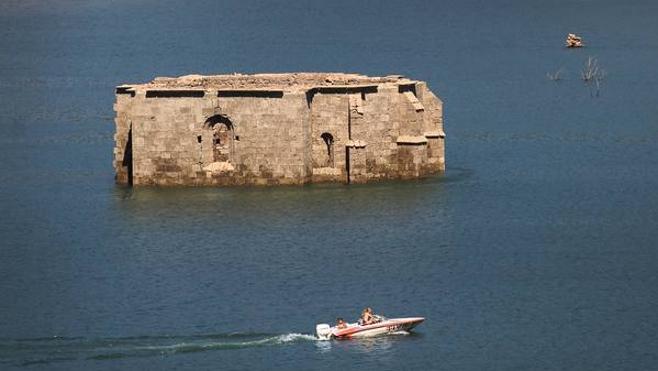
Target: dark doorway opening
329, 143
127, 161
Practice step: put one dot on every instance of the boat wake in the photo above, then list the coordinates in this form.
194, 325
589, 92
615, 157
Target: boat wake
57, 349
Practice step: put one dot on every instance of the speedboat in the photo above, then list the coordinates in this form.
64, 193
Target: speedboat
383, 326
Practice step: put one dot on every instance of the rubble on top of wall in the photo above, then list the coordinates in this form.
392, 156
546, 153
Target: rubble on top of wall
297, 80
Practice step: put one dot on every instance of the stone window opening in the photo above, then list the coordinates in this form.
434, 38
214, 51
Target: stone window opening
329, 142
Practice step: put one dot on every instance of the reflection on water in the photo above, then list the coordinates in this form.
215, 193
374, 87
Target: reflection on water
374, 346
381, 345
323, 201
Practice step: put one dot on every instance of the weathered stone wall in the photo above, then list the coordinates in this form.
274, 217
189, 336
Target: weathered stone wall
165, 147
433, 128
273, 139
172, 142
379, 131
122, 139
212, 135
329, 115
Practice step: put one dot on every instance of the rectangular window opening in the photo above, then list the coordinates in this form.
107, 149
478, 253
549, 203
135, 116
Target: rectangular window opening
250, 93
175, 94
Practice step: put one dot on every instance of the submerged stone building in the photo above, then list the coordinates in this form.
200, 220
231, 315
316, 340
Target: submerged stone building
276, 129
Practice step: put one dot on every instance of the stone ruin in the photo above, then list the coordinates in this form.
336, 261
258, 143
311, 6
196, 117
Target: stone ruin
268, 129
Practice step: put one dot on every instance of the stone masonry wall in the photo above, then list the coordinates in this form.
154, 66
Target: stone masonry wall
433, 129
122, 139
329, 114
277, 135
380, 131
172, 143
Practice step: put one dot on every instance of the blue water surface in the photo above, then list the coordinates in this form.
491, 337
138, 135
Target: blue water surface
535, 250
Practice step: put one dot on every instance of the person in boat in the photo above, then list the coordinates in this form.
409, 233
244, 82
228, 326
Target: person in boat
367, 317
340, 323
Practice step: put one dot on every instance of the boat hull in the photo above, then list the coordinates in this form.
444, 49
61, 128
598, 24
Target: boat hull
387, 327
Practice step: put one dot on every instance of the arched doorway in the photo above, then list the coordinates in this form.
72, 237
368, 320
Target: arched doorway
329, 143
223, 138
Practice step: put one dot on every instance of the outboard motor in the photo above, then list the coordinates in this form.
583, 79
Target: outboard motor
323, 331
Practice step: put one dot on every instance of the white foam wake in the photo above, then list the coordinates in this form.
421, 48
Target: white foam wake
292, 337
46, 350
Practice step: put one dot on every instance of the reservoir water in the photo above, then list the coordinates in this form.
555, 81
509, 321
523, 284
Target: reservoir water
536, 250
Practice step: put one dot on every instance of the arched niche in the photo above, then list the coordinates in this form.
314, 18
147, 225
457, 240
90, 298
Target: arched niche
222, 133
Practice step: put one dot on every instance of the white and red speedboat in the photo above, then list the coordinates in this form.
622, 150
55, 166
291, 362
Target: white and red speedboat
385, 326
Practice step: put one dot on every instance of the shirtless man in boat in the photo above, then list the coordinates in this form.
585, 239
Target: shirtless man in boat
367, 317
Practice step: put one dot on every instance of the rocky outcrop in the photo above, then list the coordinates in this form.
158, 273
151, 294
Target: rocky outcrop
574, 41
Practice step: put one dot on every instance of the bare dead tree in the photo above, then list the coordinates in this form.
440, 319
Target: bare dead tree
555, 76
592, 74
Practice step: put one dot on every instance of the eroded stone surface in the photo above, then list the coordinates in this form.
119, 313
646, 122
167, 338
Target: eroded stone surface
219, 167
276, 129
